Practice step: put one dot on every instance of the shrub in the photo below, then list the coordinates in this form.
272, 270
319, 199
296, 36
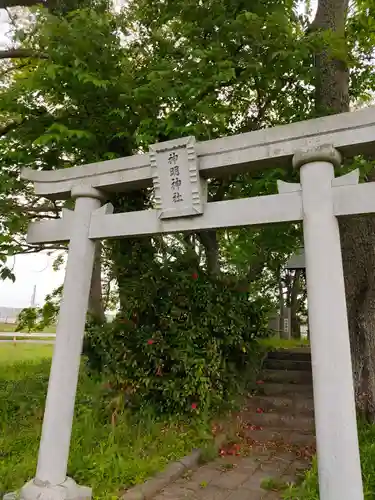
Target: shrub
184, 343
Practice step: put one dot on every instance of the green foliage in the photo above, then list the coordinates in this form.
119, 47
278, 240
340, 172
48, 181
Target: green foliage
111, 448
272, 484
27, 319
110, 84
73, 105
6, 273
184, 340
38, 319
309, 489
222, 67
361, 40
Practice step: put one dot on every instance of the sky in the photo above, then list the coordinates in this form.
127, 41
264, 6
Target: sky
4, 27
32, 270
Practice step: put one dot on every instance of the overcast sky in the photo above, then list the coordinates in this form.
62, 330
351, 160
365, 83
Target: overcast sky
30, 270
4, 27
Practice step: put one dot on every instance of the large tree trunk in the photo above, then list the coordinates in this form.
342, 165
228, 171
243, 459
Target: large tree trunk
357, 233
96, 306
211, 249
358, 244
132, 258
332, 76
295, 325
281, 303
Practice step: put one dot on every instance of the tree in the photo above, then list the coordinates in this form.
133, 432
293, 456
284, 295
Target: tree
88, 126
102, 85
213, 83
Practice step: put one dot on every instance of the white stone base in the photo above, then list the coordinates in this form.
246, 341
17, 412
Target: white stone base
38, 490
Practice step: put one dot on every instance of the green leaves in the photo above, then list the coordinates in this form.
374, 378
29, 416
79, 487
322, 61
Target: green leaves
184, 339
6, 273
58, 132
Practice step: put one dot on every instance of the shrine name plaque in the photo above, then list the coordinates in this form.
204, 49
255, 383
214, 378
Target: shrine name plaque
179, 190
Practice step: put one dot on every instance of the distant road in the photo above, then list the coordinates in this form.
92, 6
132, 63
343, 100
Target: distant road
27, 338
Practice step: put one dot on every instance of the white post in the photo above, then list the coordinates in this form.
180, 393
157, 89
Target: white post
335, 416
51, 480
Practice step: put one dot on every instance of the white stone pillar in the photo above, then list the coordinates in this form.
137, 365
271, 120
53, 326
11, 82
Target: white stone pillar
335, 416
51, 481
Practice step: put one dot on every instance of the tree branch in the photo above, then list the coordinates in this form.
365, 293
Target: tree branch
10, 127
20, 54
4, 4
13, 67
34, 215
25, 248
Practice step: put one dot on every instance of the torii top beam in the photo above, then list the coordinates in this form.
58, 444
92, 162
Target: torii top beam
351, 133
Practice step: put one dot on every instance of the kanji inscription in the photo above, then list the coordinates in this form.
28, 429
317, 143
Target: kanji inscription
179, 191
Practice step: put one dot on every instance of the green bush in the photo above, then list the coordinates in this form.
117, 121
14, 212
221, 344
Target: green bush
309, 489
184, 344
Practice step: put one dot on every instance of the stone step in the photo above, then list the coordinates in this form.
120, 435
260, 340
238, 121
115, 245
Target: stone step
289, 376
271, 389
280, 420
297, 354
280, 436
287, 364
300, 404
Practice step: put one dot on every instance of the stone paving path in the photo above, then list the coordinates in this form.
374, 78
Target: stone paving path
238, 478
278, 433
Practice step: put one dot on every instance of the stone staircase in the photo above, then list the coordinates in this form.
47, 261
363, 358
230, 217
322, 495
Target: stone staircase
281, 412
276, 428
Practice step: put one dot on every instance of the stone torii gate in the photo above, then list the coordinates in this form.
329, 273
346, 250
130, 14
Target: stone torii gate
178, 171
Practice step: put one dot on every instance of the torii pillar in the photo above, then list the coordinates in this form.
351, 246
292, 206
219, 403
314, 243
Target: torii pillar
51, 481
334, 404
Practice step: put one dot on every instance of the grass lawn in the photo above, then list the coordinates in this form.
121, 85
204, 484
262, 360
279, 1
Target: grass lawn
111, 449
273, 343
21, 353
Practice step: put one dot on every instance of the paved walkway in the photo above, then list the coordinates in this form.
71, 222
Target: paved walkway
274, 439
257, 477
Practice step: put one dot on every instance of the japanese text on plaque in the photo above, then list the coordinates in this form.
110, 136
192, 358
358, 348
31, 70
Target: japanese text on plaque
174, 174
